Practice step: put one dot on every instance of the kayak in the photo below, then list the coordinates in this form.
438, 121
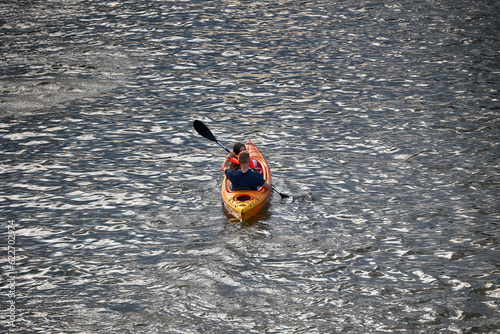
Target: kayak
244, 204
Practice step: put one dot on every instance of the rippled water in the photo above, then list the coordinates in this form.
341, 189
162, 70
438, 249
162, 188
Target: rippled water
381, 119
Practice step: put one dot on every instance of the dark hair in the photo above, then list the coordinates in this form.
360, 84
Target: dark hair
237, 147
244, 157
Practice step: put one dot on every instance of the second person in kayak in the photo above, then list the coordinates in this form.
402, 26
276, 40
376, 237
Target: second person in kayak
237, 149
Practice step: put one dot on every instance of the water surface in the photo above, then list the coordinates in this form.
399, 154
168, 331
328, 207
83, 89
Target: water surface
381, 119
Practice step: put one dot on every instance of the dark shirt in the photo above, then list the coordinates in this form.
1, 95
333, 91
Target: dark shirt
250, 180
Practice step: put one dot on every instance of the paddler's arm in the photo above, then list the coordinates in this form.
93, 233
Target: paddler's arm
227, 162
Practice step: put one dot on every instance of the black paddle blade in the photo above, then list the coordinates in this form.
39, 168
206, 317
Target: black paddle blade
281, 194
203, 130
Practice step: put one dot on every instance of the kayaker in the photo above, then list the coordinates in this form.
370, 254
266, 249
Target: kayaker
237, 149
244, 178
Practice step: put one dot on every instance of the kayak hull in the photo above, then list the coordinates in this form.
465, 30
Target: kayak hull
244, 204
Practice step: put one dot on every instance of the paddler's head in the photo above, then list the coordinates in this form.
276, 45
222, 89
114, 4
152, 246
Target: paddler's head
239, 147
244, 158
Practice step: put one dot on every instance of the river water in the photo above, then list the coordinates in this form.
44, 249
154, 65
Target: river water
379, 118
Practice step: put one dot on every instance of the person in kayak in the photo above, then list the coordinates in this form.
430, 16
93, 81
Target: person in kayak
237, 149
244, 178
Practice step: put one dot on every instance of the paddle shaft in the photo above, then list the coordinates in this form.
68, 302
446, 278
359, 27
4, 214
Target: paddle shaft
281, 194
224, 147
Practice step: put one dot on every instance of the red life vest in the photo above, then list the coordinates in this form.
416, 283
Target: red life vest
236, 161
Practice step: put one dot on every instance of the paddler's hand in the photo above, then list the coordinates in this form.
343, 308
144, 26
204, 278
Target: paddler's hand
225, 164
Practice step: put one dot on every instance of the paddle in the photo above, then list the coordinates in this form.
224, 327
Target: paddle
205, 132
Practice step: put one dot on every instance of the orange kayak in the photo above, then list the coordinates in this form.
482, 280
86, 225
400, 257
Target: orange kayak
243, 204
